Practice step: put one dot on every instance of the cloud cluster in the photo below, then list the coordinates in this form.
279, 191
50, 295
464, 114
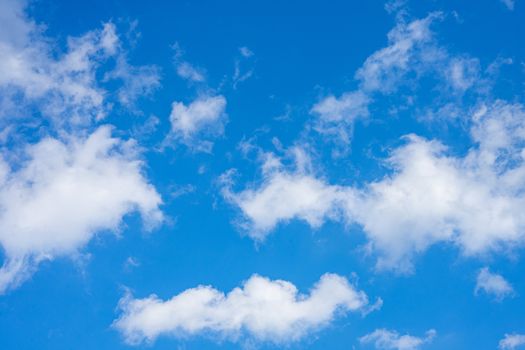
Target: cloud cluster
262, 309
64, 193
410, 48
412, 52
472, 201
385, 339
37, 78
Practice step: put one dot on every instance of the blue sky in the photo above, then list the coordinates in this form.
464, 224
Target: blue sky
259, 175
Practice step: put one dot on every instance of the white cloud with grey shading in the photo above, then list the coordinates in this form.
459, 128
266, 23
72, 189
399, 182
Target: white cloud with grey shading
261, 309
473, 202
63, 194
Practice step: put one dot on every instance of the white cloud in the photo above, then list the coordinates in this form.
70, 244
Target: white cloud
508, 3
262, 309
239, 73
204, 117
136, 81
239, 77
63, 193
27, 66
511, 341
463, 72
346, 108
185, 69
409, 47
395, 74
36, 75
494, 284
473, 201
284, 195
386, 339
336, 116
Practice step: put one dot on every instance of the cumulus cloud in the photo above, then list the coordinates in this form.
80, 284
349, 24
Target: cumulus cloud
284, 195
386, 339
472, 201
63, 193
203, 118
262, 309
511, 341
493, 284
36, 77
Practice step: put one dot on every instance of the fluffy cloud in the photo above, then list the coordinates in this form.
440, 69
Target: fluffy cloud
284, 195
473, 201
262, 309
192, 124
492, 283
35, 77
511, 341
63, 193
386, 339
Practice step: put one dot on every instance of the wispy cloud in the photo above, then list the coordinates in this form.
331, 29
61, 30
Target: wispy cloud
493, 284
384, 339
